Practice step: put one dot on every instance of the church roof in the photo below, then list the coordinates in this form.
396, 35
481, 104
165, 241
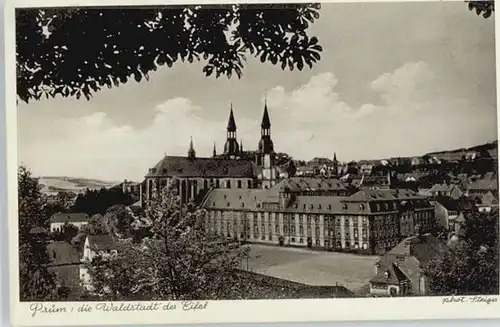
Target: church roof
266, 122
231, 124
174, 166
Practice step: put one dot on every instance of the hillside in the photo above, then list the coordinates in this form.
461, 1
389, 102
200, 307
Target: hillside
478, 148
55, 184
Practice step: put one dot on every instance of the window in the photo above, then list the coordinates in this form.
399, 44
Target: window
346, 221
249, 184
270, 237
217, 183
285, 229
301, 240
228, 184
242, 205
293, 239
318, 242
277, 228
347, 245
344, 206
317, 231
356, 233
363, 231
239, 184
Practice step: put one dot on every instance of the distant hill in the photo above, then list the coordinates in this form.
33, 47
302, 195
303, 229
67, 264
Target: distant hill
478, 148
55, 184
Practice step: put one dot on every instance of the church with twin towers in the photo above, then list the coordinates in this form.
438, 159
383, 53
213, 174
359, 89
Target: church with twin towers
231, 169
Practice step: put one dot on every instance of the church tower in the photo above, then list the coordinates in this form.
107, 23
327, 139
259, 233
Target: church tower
335, 167
265, 154
191, 152
231, 148
214, 152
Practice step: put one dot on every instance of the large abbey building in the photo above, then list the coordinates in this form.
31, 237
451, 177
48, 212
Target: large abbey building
230, 170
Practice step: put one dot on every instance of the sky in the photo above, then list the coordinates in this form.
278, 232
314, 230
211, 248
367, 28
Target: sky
395, 79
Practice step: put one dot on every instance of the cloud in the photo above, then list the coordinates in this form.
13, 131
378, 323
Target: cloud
415, 114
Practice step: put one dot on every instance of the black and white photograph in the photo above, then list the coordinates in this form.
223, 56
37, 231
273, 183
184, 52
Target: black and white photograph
192, 153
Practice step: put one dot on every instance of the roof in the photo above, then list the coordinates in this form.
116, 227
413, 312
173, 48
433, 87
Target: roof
423, 248
443, 188
266, 122
490, 183
448, 203
389, 275
231, 124
409, 256
391, 194
269, 199
460, 218
203, 167
489, 199
296, 184
69, 217
102, 242
62, 253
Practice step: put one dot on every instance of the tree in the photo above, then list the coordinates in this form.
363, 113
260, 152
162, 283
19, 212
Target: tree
78, 51
470, 268
119, 220
182, 261
95, 226
482, 7
35, 281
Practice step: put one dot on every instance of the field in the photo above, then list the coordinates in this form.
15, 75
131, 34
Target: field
312, 267
55, 184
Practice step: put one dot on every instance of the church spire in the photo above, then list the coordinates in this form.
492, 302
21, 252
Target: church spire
266, 122
335, 156
214, 152
241, 145
231, 124
191, 152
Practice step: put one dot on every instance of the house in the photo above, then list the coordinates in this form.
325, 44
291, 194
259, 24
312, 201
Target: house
479, 187
103, 245
416, 161
64, 262
399, 272
487, 202
450, 190
58, 220
446, 211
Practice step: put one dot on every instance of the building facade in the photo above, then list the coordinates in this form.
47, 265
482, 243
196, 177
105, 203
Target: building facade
370, 222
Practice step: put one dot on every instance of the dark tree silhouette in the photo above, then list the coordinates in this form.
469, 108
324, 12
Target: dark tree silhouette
484, 7
78, 51
36, 283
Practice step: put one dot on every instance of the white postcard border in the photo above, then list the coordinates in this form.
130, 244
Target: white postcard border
358, 309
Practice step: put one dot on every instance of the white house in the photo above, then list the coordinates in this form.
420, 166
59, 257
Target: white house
103, 245
58, 220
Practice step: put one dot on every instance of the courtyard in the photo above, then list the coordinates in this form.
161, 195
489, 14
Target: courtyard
311, 267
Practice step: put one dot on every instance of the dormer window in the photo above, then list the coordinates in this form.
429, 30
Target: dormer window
228, 204
295, 205
164, 171
361, 207
329, 207
225, 196
344, 206
242, 204
319, 206
311, 206
386, 274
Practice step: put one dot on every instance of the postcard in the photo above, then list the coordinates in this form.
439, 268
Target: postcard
251, 162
